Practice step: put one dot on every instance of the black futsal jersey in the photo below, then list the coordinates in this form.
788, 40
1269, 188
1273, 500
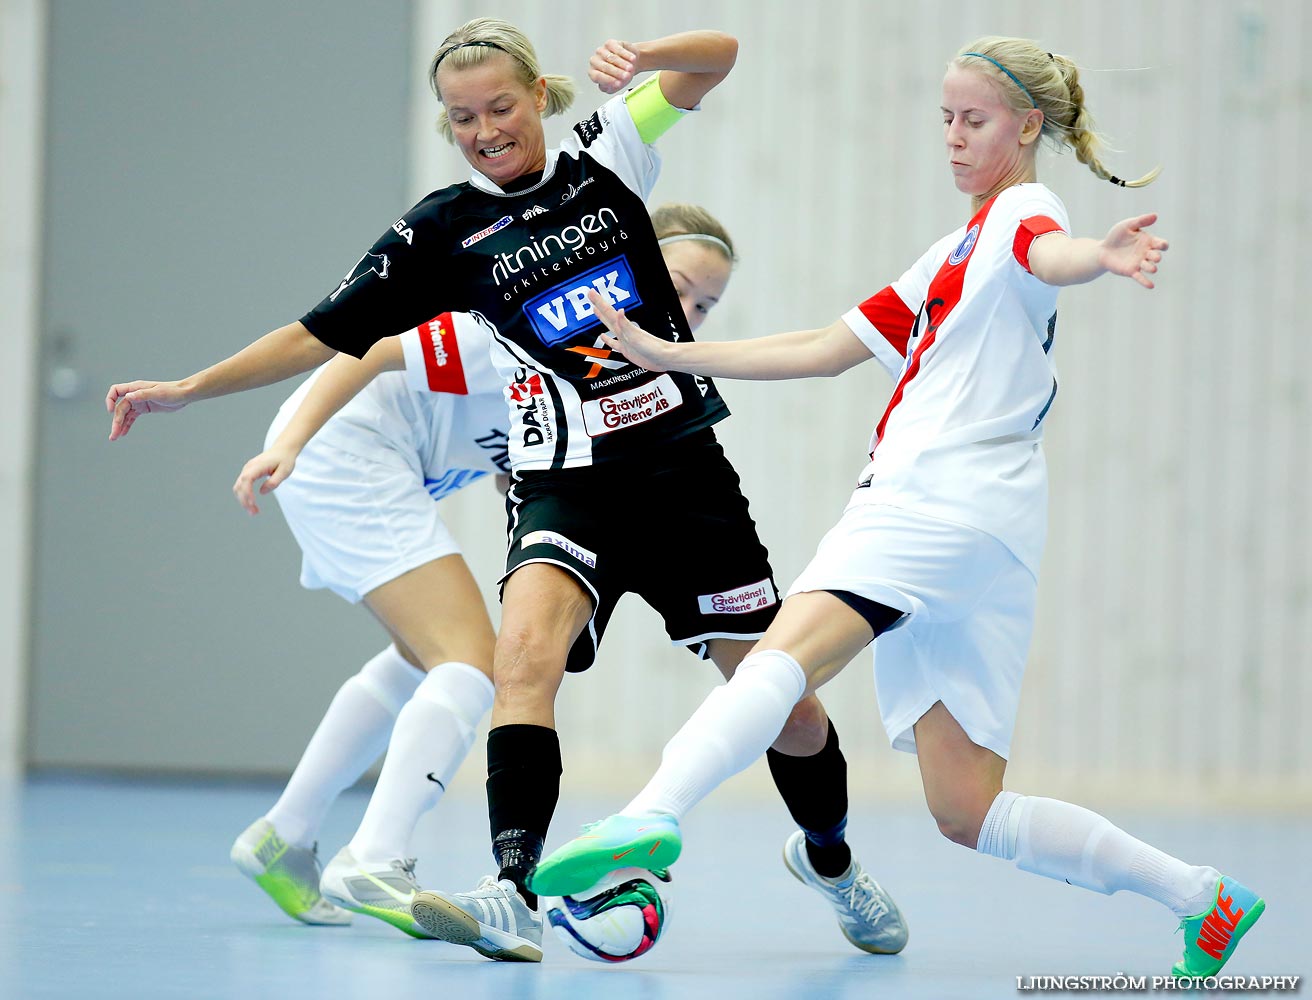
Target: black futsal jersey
526, 261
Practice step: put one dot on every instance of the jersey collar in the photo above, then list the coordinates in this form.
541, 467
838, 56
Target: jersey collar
489, 187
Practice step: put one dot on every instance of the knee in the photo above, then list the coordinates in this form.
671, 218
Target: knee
806, 729
960, 820
474, 649
526, 666
958, 828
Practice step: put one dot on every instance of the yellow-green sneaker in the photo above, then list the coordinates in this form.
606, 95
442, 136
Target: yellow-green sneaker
1210, 937
289, 874
619, 841
381, 889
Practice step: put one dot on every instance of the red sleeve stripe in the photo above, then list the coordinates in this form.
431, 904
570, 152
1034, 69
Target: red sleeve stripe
890, 316
446, 372
1027, 232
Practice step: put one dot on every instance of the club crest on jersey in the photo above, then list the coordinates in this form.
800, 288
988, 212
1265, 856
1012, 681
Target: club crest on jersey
966, 245
370, 263
563, 312
501, 223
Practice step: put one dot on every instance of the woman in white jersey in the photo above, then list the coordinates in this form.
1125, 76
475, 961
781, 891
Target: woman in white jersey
521, 242
940, 543
368, 470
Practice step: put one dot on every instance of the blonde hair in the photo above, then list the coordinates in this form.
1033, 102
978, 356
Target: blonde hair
476, 41
682, 219
1028, 78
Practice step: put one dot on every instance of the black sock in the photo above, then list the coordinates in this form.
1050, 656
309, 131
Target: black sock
523, 784
815, 791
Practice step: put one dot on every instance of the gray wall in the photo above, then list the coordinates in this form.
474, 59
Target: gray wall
210, 168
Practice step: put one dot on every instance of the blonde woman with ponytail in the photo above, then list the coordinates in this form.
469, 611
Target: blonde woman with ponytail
938, 551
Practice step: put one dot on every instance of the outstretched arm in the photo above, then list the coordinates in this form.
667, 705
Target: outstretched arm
799, 354
279, 355
341, 380
1128, 250
691, 64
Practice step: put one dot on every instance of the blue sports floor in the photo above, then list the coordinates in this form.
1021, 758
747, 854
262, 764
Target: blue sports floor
117, 888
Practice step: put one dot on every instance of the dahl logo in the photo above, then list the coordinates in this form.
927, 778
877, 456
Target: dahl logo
966, 245
370, 263
535, 210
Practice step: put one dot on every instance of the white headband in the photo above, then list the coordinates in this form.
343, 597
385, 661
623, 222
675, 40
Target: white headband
703, 237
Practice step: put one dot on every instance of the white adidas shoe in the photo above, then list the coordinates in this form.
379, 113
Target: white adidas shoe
493, 919
867, 915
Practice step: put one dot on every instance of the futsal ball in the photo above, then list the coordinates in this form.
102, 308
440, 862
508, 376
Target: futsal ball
619, 918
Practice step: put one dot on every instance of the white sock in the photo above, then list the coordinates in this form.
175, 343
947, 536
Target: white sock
734, 725
432, 736
352, 734
1074, 845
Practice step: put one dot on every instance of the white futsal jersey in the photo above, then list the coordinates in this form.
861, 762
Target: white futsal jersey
967, 332
446, 413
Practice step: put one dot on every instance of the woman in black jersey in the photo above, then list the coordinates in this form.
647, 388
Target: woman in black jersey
522, 243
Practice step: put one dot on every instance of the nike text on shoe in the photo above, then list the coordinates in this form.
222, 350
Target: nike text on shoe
382, 889
493, 919
1210, 938
290, 875
650, 842
867, 915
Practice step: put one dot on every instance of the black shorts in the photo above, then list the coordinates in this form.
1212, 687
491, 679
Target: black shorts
671, 526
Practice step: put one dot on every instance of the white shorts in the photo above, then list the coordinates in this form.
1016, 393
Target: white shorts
969, 607
360, 522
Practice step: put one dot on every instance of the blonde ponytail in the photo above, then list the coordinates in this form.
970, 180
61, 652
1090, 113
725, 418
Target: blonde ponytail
1028, 77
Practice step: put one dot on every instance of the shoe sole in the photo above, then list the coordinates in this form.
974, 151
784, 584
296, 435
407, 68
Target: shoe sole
564, 875
447, 922
1245, 923
403, 922
867, 948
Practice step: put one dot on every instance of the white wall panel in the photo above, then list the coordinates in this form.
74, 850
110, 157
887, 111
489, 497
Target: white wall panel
1171, 655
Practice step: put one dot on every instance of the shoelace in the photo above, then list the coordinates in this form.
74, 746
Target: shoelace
407, 865
865, 898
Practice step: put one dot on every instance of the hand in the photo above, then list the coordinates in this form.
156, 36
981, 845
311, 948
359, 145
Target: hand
1131, 251
613, 66
276, 464
631, 340
128, 400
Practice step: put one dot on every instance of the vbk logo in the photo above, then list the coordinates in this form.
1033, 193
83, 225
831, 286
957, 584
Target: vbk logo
564, 312
965, 246
377, 263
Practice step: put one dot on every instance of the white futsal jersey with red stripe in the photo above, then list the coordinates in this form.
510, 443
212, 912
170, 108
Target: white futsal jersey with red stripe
446, 413
967, 333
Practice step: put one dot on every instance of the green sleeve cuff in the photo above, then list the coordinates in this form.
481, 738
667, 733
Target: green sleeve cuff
651, 112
